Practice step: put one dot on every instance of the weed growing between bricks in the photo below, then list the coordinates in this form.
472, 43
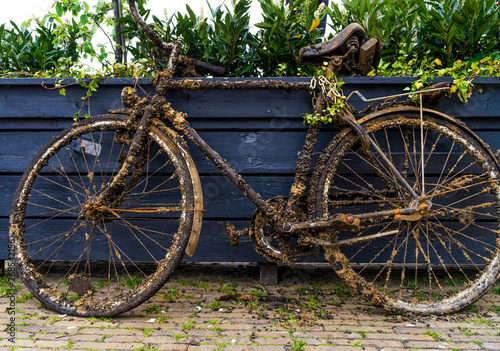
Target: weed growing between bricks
214, 307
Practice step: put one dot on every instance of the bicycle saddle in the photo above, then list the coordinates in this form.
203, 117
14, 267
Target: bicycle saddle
350, 50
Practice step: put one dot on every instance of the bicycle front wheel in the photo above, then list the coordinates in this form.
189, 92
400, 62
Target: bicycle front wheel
434, 262
86, 261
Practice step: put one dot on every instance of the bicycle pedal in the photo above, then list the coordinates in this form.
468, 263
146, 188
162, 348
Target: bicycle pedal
235, 234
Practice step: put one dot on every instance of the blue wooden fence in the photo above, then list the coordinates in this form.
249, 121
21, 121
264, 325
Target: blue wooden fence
259, 132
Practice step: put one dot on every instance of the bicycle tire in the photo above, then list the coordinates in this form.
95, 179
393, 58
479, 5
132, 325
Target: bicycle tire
52, 221
437, 264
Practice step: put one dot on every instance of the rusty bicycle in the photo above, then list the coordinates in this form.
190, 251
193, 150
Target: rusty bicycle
403, 202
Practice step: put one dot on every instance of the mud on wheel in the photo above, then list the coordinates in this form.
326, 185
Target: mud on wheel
437, 262
87, 260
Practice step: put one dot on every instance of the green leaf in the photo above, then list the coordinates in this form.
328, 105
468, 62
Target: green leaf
263, 25
273, 28
59, 9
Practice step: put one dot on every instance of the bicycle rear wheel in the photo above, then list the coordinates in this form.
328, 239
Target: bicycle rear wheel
86, 261
434, 263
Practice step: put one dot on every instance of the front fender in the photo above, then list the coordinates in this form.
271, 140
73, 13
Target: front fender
197, 189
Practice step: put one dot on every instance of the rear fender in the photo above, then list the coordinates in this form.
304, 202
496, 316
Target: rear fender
439, 115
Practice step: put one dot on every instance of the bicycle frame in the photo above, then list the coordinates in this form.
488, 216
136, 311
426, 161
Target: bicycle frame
164, 82
299, 186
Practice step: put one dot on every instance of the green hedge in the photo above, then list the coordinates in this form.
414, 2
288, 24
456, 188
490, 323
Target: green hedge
417, 35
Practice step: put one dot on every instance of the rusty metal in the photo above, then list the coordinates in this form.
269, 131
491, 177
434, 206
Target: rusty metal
268, 238
369, 55
395, 96
350, 50
345, 117
226, 84
234, 234
391, 166
216, 70
337, 220
348, 242
177, 141
163, 48
304, 160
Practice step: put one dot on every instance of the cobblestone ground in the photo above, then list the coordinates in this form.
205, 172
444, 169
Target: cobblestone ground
187, 315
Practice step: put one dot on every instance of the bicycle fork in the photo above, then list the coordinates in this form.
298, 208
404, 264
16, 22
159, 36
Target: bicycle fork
114, 191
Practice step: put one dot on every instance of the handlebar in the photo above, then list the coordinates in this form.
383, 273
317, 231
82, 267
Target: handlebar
215, 70
170, 50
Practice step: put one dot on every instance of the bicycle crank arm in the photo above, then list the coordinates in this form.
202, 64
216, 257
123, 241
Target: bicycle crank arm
348, 242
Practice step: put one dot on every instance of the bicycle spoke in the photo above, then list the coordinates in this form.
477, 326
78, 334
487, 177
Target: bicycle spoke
76, 263
369, 187
403, 271
66, 211
130, 226
59, 248
52, 197
97, 160
118, 252
58, 236
68, 216
419, 269
381, 167
443, 244
62, 172
450, 231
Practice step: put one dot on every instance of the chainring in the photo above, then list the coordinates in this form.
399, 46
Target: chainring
272, 245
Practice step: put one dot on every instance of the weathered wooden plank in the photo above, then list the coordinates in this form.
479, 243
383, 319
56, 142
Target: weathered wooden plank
222, 199
200, 124
248, 129
30, 99
247, 152
491, 124
212, 247
4, 239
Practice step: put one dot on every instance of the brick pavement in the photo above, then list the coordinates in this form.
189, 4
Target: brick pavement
325, 316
